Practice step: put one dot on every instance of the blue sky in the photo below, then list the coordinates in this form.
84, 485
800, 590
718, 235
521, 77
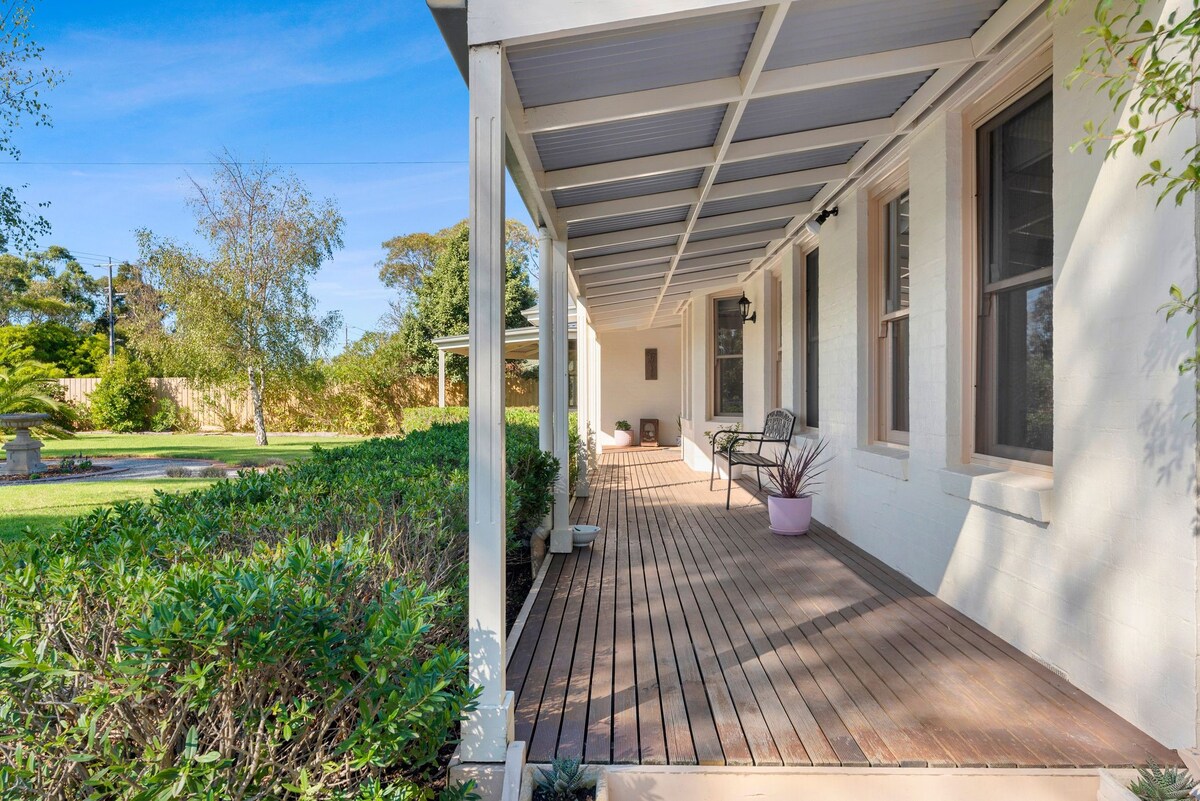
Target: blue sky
289, 82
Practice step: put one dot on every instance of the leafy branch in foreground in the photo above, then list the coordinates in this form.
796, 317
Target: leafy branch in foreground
1149, 67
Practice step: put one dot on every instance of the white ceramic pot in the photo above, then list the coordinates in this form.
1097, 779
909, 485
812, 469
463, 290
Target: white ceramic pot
527, 782
789, 516
624, 438
583, 535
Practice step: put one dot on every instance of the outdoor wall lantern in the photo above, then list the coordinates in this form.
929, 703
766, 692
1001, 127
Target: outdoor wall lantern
744, 305
814, 226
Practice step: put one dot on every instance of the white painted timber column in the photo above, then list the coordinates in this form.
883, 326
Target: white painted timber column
594, 394
560, 534
489, 728
583, 406
441, 378
545, 342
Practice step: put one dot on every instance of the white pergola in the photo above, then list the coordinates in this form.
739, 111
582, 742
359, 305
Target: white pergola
666, 147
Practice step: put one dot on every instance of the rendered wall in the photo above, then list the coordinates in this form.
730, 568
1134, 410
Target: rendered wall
1095, 570
625, 394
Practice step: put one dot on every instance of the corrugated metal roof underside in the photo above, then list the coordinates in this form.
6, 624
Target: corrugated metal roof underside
763, 200
633, 187
823, 108
823, 30
633, 59
627, 247
623, 222
689, 265
787, 162
629, 139
734, 230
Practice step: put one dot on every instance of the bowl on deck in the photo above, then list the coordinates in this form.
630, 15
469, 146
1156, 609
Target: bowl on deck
584, 535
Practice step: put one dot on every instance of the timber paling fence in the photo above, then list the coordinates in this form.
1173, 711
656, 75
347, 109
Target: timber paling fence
229, 409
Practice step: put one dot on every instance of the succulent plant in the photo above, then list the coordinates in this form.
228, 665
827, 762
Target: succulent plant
1156, 783
565, 780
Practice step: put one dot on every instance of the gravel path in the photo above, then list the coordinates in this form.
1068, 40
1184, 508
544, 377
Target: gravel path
126, 468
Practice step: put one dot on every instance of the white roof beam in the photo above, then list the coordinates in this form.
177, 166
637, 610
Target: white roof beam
651, 232
627, 237
623, 275
705, 156
627, 259
629, 205
526, 154
680, 197
722, 91
596, 276
775, 183
756, 239
681, 279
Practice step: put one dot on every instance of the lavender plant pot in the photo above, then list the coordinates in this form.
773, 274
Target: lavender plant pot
789, 516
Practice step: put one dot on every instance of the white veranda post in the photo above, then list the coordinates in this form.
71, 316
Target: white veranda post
583, 407
560, 534
545, 342
441, 378
488, 729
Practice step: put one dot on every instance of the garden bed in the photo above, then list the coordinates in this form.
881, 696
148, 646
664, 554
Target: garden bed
55, 474
296, 628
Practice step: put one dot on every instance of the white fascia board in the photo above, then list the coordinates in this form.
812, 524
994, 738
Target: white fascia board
523, 21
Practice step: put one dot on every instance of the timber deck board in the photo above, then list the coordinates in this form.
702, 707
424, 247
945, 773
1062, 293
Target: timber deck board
689, 634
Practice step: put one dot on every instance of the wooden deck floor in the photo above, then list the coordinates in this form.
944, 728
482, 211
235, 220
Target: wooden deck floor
688, 634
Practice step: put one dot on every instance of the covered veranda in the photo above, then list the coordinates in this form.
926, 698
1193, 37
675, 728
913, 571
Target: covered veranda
665, 149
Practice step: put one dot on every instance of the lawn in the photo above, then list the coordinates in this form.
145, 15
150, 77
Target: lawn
44, 505
232, 449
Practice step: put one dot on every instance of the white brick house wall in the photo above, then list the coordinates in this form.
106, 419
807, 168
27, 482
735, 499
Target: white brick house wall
1094, 572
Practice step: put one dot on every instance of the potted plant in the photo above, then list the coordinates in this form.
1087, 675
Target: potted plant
624, 434
566, 779
795, 480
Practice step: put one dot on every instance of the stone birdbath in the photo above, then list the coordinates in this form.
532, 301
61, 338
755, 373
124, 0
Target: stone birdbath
24, 452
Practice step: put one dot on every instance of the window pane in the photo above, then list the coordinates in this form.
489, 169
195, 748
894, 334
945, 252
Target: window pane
729, 327
729, 387
1024, 378
896, 265
811, 350
1020, 235
899, 398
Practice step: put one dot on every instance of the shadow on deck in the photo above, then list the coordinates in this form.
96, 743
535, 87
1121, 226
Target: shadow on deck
688, 634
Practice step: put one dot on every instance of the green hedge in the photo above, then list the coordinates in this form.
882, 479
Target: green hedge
295, 634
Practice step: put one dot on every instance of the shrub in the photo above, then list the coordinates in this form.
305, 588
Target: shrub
293, 634
167, 416
123, 400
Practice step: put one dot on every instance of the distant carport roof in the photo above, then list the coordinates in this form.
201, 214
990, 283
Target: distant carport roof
519, 343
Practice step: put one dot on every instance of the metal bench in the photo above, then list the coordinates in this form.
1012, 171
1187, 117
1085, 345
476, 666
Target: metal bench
776, 430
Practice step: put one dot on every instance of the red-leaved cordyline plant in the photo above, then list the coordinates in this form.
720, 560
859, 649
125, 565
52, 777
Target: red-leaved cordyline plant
796, 476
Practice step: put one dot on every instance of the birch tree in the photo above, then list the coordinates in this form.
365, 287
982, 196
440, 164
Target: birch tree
243, 308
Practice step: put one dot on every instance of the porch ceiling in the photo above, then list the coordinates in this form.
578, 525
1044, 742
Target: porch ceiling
670, 153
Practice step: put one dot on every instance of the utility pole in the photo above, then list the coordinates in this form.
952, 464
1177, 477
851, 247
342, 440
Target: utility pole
111, 316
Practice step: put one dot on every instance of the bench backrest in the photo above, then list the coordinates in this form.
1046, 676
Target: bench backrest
779, 426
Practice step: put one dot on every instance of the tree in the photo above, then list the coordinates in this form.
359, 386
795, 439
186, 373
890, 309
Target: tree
21, 84
30, 386
50, 286
1149, 67
441, 305
244, 309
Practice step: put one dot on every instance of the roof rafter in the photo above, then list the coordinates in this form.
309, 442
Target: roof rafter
714, 223
723, 91
760, 49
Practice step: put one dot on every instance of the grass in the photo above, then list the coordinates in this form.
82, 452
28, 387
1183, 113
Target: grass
44, 505
232, 449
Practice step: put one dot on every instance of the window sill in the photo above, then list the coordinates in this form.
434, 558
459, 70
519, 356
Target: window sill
883, 460
1020, 494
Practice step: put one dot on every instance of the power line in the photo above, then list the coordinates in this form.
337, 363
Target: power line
239, 163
